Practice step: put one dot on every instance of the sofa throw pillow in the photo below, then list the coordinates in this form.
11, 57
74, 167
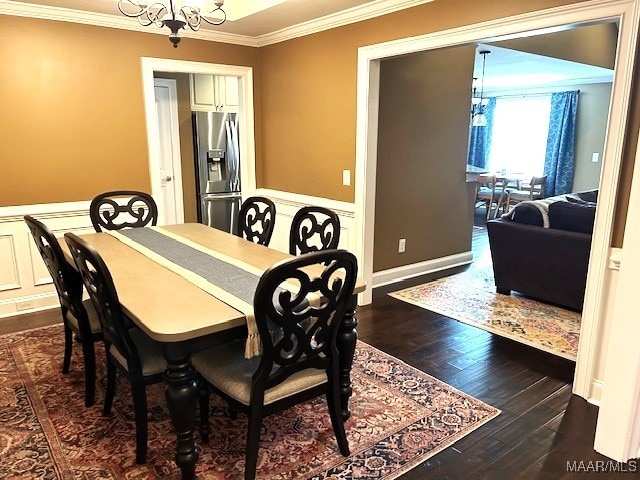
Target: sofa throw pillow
528, 213
572, 216
588, 195
582, 202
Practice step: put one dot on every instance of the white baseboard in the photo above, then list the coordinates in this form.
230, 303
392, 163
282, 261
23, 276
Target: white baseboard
28, 304
397, 274
595, 396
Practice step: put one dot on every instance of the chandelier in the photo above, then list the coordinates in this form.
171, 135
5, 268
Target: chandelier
478, 118
174, 14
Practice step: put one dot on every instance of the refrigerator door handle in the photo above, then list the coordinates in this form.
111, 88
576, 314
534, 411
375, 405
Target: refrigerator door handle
221, 196
232, 157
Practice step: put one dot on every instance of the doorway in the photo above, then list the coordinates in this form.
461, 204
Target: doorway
170, 205
246, 141
591, 348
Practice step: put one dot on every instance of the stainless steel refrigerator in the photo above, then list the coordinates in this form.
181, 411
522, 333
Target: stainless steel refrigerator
217, 159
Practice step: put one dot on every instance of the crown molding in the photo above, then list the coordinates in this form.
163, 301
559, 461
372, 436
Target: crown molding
345, 17
46, 12
339, 19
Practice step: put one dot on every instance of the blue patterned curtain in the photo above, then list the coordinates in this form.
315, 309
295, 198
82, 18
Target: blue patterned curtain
480, 139
559, 159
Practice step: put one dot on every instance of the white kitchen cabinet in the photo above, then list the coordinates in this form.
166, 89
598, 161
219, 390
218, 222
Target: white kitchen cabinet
214, 92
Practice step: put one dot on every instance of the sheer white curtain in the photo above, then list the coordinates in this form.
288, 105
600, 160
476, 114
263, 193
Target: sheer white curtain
520, 130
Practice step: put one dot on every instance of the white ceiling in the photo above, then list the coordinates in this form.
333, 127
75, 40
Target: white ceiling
508, 68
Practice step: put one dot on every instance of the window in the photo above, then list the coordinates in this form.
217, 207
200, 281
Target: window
519, 138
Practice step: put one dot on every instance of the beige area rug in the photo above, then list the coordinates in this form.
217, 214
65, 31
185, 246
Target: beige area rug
400, 417
470, 297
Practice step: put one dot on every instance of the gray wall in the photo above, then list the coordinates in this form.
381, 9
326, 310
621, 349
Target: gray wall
591, 129
421, 190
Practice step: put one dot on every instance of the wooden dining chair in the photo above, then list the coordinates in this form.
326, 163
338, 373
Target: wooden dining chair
256, 220
314, 229
78, 316
298, 364
129, 351
122, 209
533, 190
490, 192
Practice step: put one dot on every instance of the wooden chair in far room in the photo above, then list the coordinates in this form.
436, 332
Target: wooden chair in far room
532, 190
489, 192
256, 220
314, 229
136, 356
123, 209
78, 317
300, 364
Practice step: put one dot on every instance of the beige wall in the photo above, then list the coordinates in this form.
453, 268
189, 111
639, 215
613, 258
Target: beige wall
591, 128
421, 190
186, 144
76, 101
309, 91
72, 118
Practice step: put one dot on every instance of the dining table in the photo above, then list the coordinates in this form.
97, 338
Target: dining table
185, 318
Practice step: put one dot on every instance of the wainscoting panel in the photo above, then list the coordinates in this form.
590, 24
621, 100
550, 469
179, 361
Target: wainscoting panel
9, 276
25, 283
287, 204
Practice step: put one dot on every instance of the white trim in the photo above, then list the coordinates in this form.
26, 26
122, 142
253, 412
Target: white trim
35, 290
47, 12
299, 200
245, 116
356, 14
590, 350
397, 274
595, 292
595, 397
45, 210
615, 258
338, 19
176, 158
45, 301
618, 427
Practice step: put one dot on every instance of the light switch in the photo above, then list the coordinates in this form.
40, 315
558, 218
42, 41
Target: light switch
346, 178
595, 156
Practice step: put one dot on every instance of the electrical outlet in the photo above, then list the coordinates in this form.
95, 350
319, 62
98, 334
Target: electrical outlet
24, 305
402, 245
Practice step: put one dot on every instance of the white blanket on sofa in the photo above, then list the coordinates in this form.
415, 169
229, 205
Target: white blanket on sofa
542, 205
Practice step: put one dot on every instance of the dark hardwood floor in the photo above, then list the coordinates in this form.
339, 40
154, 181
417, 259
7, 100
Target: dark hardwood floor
542, 426
542, 429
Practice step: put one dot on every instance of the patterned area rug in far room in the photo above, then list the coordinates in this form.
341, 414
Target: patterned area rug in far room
400, 418
470, 297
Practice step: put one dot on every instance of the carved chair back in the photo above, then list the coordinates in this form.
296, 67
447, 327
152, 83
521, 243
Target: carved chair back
314, 229
123, 209
257, 219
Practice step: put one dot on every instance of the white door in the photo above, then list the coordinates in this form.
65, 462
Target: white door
170, 203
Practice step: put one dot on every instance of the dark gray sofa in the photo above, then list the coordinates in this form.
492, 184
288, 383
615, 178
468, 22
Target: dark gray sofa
545, 256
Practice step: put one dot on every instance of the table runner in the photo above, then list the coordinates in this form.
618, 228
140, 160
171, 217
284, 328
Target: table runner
229, 280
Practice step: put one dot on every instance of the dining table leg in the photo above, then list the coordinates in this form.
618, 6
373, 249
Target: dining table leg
182, 395
346, 344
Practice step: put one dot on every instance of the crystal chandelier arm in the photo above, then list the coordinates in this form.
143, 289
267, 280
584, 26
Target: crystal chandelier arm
173, 14
146, 15
192, 16
222, 15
